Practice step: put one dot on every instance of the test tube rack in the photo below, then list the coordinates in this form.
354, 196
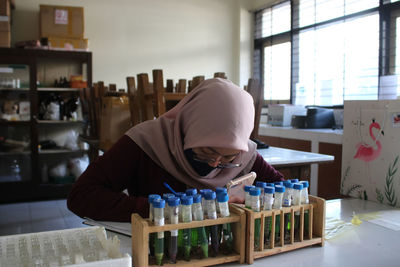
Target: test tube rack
315, 236
142, 228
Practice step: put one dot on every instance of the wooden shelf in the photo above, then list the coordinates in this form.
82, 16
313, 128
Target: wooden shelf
23, 153
61, 151
25, 90
58, 89
57, 122
14, 123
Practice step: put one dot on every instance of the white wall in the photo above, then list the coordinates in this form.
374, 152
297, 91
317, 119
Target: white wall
185, 38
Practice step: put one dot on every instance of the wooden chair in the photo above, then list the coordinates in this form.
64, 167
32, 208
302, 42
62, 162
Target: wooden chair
163, 99
255, 89
195, 82
220, 75
140, 99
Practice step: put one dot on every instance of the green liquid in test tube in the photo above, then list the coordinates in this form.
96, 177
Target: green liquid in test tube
173, 203
255, 206
166, 196
268, 201
187, 202
279, 190
159, 205
305, 200
227, 243
212, 214
201, 231
151, 218
297, 188
194, 238
180, 231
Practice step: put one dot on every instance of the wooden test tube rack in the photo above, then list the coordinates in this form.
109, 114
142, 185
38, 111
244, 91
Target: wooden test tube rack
316, 210
141, 228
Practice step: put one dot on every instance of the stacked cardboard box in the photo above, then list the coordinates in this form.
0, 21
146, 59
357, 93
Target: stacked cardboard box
5, 31
63, 26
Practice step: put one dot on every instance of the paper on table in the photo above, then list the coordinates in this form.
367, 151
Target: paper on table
389, 219
124, 228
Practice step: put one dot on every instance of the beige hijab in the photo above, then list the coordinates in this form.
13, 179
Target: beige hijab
217, 113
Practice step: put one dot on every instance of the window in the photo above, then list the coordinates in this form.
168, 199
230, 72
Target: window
333, 50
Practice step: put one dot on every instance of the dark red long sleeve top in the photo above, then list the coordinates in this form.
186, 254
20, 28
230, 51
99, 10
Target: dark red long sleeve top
98, 193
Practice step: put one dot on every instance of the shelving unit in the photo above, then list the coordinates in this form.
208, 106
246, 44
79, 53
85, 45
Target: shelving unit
36, 71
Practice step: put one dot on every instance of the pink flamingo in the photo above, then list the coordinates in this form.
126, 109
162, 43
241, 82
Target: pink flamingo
366, 152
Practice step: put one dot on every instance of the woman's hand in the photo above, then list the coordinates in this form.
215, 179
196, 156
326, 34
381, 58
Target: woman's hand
236, 199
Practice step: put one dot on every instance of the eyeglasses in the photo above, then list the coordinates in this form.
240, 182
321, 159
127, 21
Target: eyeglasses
223, 161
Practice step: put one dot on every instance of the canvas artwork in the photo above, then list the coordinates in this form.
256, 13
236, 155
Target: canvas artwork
371, 151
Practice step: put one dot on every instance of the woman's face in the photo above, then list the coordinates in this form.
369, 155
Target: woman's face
215, 155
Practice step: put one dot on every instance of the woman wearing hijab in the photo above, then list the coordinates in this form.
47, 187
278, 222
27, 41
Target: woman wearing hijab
203, 142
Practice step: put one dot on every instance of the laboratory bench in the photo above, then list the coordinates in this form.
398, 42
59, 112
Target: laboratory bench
325, 179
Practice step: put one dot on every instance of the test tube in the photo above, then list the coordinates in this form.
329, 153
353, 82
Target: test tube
255, 206
287, 202
247, 202
198, 215
159, 205
305, 200
203, 193
151, 198
279, 191
268, 202
294, 181
297, 188
278, 183
165, 196
173, 203
180, 231
261, 185
222, 201
187, 202
212, 214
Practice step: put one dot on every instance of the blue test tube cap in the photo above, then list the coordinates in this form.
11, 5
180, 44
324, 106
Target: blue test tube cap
278, 183
159, 203
279, 189
288, 184
187, 200
204, 191
256, 191
248, 187
174, 201
152, 197
294, 181
180, 194
220, 190
298, 186
165, 196
222, 197
269, 190
191, 191
210, 195
261, 184
197, 198
271, 184
305, 184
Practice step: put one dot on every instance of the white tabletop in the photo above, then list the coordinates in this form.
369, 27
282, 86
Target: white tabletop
365, 245
277, 157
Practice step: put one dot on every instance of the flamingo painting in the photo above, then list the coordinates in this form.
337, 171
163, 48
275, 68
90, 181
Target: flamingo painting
367, 152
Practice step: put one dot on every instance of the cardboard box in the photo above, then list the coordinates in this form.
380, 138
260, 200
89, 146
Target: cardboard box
67, 43
61, 21
5, 25
5, 8
5, 39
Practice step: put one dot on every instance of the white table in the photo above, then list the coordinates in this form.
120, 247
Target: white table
297, 162
365, 245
